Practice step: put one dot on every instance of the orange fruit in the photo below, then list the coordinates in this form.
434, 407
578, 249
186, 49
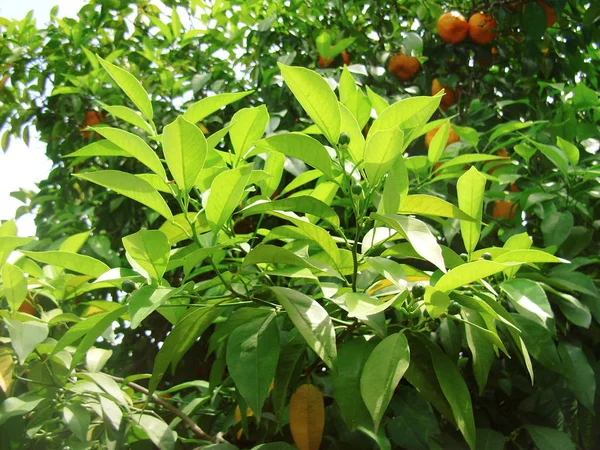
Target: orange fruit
404, 67
505, 155
513, 186
345, 57
449, 97
550, 15
482, 28
91, 118
452, 27
504, 209
452, 136
325, 62
28, 308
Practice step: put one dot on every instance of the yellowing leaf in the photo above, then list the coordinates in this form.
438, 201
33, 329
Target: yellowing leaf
307, 417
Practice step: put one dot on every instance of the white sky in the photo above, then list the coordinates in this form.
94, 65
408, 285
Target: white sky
20, 166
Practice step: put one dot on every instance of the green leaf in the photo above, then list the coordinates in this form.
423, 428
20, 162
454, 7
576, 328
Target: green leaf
96, 359
300, 180
438, 143
530, 301
346, 382
488, 439
271, 254
25, 336
252, 355
395, 188
391, 270
436, 302
539, 343
570, 150
18, 406
131, 86
381, 151
297, 145
226, 193
316, 97
178, 342
185, 149
71, 261
100, 148
350, 126
528, 256
466, 274
135, 146
482, 351
148, 252
556, 228
130, 186
579, 375
130, 116
555, 155
378, 102
362, 305
382, 373
509, 127
302, 204
274, 164
15, 286
429, 205
312, 322
77, 418
359, 106
549, 438
290, 360
418, 234
456, 391
248, 126
209, 105
471, 187
146, 300
158, 431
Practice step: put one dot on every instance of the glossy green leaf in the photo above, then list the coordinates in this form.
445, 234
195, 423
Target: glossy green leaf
209, 105
131, 86
158, 431
248, 126
316, 97
395, 188
361, 305
18, 406
71, 261
555, 155
471, 187
418, 234
381, 151
226, 193
185, 148
391, 270
466, 274
312, 322
297, 145
579, 374
129, 115
25, 336
300, 204
569, 149
530, 301
14, 285
146, 300
252, 355
438, 143
350, 126
77, 418
148, 252
274, 165
482, 351
130, 186
381, 374
528, 256
549, 438
100, 148
436, 302
96, 358
429, 205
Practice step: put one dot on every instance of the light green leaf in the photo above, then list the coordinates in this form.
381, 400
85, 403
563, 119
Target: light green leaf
350, 126
100, 148
509, 127
158, 431
528, 256
226, 193
252, 355
569, 149
135, 146
108, 385
148, 252
438, 143
378, 102
185, 148
25, 336
146, 300
75, 242
461, 160
530, 301
362, 305
482, 350
297, 145
579, 375
312, 322
395, 188
359, 106
18, 406
418, 234
555, 155
130, 186
391, 270
549, 438
131, 86
316, 97
15, 286
381, 151
129, 115
471, 187
429, 205
436, 301
466, 274
271, 254
274, 165
77, 418
382, 373
111, 412
302, 204
556, 228
248, 126
209, 105
96, 358
71, 261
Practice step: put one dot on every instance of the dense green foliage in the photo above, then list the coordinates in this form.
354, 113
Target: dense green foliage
235, 232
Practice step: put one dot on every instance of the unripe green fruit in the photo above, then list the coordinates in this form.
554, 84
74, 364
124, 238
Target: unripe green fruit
487, 256
418, 290
464, 256
454, 308
433, 325
356, 189
128, 286
233, 268
344, 139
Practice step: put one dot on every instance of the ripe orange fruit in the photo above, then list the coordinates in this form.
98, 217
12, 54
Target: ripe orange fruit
404, 67
452, 136
91, 118
504, 209
27, 307
449, 97
513, 186
482, 28
550, 15
345, 57
325, 62
505, 155
452, 27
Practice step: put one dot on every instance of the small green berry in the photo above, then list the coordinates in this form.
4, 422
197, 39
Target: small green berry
344, 139
233, 268
487, 256
418, 290
128, 286
433, 325
357, 189
464, 256
454, 308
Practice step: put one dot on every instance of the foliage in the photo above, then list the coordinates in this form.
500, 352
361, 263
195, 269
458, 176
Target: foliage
299, 260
